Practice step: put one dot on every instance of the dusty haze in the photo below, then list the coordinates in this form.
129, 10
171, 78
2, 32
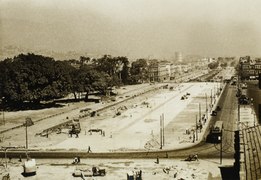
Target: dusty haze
134, 28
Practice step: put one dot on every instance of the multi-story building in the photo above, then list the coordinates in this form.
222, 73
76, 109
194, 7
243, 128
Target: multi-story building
249, 69
159, 71
175, 71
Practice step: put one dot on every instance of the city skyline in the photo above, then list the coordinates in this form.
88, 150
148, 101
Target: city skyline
135, 29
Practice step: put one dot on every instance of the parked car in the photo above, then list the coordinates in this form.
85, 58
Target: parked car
213, 113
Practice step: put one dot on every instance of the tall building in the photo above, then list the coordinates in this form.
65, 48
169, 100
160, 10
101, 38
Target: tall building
178, 57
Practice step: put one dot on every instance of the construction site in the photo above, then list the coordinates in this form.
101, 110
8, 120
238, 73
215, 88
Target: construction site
141, 121
151, 118
137, 116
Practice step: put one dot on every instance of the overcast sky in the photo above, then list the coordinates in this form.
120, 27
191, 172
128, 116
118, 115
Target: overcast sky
134, 28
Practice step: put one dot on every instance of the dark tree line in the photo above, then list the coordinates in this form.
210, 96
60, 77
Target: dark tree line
34, 78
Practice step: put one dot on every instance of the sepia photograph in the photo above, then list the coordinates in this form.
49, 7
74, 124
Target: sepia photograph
130, 90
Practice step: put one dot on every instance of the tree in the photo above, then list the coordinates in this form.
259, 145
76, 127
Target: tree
223, 65
86, 79
84, 60
106, 64
139, 71
116, 67
213, 65
33, 78
124, 70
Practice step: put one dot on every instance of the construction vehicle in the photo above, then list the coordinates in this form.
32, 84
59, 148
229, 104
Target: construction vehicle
75, 127
192, 157
213, 113
98, 172
134, 175
95, 171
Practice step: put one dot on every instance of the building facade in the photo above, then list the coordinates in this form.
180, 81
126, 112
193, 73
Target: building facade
249, 69
159, 71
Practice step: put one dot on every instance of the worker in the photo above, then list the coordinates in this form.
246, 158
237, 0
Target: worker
75, 161
196, 157
89, 149
157, 160
20, 158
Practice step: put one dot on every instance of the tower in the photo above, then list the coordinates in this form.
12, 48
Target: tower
178, 56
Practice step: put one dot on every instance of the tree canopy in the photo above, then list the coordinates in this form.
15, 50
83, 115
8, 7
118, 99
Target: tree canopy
139, 71
34, 78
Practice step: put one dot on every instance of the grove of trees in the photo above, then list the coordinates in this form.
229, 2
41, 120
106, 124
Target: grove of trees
30, 78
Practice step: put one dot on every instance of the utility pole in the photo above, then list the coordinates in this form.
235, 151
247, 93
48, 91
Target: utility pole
199, 112
211, 99
238, 104
196, 127
160, 132
206, 105
200, 119
26, 137
163, 129
221, 146
3, 115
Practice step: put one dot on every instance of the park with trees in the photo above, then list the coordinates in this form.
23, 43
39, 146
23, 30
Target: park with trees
27, 80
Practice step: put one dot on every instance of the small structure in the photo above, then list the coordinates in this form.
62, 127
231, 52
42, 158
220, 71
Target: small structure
134, 175
95, 130
29, 167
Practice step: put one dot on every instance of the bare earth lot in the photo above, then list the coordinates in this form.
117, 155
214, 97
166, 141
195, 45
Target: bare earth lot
137, 127
117, 169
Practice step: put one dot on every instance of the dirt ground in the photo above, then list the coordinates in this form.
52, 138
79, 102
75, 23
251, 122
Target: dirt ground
62, 169
137, 126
